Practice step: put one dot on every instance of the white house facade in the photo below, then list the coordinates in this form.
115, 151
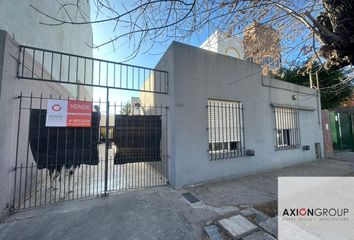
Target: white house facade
226, 119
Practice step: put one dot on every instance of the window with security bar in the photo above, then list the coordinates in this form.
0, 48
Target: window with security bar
287, 127
225, 129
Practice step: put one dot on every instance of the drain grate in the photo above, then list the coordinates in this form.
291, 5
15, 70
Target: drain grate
190, 197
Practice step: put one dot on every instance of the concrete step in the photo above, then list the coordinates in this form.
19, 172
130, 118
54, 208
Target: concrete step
237, 226
254, 215
213, 232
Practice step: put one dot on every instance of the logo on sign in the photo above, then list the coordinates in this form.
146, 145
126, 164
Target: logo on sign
68, 113
56, 107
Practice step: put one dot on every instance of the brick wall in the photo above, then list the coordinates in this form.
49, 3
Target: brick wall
327, 138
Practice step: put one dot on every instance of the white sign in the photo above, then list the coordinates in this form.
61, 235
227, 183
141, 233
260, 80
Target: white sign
315, 208
57, 111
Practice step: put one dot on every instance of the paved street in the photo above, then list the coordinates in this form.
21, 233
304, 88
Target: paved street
156, 213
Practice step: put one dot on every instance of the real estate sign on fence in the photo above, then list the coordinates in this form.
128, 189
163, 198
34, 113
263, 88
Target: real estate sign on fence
68, 113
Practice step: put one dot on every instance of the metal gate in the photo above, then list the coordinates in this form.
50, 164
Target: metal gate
342, 131
125, 146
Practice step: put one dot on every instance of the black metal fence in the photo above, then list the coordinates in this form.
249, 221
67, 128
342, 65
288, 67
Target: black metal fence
287, 128
225, 129
58, 67
55, 164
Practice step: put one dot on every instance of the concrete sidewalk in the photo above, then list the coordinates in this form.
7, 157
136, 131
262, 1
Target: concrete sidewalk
262, 187
343, 156
156, 213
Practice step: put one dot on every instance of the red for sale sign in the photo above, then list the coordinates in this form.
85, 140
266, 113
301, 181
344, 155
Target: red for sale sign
79, 114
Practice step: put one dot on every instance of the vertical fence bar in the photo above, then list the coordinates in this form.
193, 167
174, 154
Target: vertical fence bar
243, 130
133, 69
282, 115
106, 74
107, 143
92, 70
85, 63
239, 128
285, 129
19, 188
72, 164
126, 75
27, 152
234, 131
216, 133
33, 60
166, 145
17, 144
276, 128
42, 64
230, 129
46, 172
51, 66
60, 66
57, 165
114, 75
38, 141
120, 76
23, 61
69, 63
297, 119
30, 193
209, 129
77, 71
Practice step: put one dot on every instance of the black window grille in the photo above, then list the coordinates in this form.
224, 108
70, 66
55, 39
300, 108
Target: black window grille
225, 129
287, 126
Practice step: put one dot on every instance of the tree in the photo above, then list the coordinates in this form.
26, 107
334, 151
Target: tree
126, 109
319, 29
334, 89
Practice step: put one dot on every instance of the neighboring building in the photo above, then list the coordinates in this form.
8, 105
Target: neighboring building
20, 24
226, 44
226, 118
136, 107
23, 23
262, 46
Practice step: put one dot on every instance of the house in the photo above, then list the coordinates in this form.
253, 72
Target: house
223, 43
200, 116
227, 119
260, 44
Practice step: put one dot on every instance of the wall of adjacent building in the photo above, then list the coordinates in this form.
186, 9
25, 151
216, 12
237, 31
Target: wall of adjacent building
196, 75
24, 24
327, 138
222, 43
20, 25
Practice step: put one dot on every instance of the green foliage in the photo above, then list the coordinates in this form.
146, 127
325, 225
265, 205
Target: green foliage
334, 85
126, 109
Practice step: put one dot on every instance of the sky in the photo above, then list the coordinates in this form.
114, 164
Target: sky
119, 52
103, 32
